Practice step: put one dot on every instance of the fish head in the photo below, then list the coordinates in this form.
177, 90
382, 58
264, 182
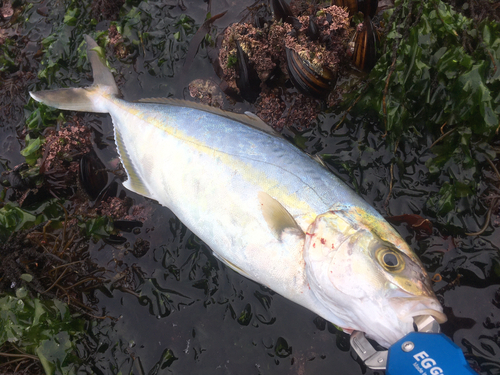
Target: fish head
362, 272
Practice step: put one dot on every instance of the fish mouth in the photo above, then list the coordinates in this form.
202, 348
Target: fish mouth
411, 307
439, 316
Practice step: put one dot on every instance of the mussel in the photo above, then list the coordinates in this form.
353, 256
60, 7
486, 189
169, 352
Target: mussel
310, 79
281, 10
312, 29
14, 178
296, 25
248, 81
127, 225
114, 239
367, 7
365, 46
93, 176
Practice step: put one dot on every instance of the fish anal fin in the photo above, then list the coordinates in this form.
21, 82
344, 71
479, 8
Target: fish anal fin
134, 181
276, 216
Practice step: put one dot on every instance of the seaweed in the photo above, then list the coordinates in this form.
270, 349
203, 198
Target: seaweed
439, 75
37, 334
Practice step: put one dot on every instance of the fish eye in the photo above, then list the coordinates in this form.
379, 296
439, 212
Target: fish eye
390, 259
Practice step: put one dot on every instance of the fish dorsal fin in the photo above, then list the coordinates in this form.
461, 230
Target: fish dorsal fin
258, 123
276, 216
247, 118
134, 181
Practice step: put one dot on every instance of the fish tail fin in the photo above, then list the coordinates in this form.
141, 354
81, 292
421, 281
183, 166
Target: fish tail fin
83, 99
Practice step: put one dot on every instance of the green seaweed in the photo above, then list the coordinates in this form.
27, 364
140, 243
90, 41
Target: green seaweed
42, 328
232, 60
8, 56
14, 218
32, 150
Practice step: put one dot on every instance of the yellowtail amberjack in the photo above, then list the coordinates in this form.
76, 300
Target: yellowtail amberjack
265, 208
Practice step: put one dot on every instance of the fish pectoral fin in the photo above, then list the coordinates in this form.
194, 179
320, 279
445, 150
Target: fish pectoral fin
231, 265
276, 216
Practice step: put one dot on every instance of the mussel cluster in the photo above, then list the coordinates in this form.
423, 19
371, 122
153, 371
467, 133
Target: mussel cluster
314, 49
364, 44
309, 45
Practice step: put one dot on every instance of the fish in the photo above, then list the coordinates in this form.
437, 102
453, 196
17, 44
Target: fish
265, 208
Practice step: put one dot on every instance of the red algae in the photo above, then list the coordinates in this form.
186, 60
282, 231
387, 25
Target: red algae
207, 92
120, 50
123, 209
62, 148
106, 9
6, 9
290, 110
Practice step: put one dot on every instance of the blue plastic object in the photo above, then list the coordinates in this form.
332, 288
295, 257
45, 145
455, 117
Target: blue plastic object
426, 354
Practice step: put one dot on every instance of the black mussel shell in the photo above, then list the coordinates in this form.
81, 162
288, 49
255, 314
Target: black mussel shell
306, 79
261, 17
93, 176
351, 5
367, 7
295, 22
14, 178
113, 239
365, 47
313, 30
127, 225
281, 10
248, 80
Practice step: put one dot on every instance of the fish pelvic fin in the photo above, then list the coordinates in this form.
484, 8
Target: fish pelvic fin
85, 99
